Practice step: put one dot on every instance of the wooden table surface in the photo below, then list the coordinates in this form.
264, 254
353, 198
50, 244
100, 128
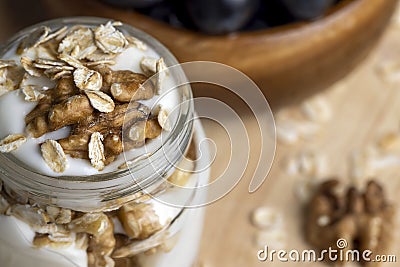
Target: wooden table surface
364, 108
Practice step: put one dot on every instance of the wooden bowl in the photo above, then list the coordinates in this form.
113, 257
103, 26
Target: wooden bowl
288, 62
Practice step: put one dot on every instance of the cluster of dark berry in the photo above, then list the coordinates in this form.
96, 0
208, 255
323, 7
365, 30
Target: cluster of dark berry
225, 16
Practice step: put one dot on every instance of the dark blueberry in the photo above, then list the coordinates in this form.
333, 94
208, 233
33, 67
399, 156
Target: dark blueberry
163, 12
275, 13
179, 14
132, 3
256, 24
307, 9
220, 16
159, 11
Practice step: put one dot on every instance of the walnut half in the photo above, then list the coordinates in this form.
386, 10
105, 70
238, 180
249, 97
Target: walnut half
364, 219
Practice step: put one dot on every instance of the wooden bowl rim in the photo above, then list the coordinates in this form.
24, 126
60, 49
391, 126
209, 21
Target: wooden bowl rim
341, 9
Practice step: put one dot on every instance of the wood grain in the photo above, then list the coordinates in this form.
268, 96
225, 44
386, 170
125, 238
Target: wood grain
364, 108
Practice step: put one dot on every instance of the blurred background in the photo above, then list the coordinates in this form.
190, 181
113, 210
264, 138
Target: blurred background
330, 70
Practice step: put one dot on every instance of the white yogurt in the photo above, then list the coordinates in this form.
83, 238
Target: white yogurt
16, 248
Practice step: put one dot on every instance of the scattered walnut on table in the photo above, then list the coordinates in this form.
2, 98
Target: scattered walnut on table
363, 218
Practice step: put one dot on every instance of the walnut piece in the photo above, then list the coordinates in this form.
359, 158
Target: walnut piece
71, 111
126, 86
364, 219
102, 243
139, 220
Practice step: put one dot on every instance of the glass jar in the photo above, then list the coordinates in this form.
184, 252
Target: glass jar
148, 178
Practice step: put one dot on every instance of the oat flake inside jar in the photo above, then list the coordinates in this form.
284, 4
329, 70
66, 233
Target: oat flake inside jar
73, 94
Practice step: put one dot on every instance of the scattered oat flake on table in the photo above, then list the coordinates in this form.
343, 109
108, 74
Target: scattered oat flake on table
390, 142
266, 218
384, 162
12, 142
306, 163
96, 151
389, 71
317, 109
290, 131
54, 156
100, 101
286, 133
308, 129
273, 239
